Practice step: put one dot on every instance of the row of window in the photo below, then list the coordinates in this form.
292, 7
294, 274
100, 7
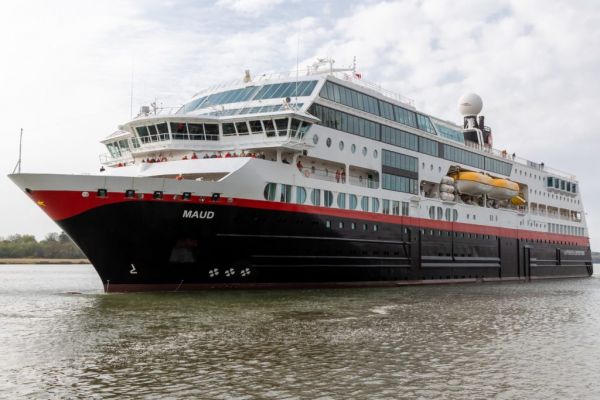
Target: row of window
177, 131
399, 183
271, 127
317, 197
566, 229
359, 126
272, 91
254, 110
342, 121
199, 131
400, 161
449, 133
286, 89
561, 184
438, 213
352, 98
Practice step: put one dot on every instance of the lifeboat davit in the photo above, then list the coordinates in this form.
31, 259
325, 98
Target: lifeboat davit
472, 183
503, 189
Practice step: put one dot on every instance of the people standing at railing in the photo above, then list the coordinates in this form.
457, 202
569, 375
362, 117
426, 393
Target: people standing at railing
194, 156
343, 176
338, 175
299, 165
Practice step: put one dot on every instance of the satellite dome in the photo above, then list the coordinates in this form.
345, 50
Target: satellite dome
470, 104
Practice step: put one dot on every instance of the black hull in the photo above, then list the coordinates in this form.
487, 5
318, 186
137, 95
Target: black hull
154, 245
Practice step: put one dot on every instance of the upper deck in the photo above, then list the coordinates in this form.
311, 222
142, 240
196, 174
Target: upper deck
249, 114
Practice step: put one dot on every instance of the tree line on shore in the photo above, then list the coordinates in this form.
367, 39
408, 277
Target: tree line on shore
54, 245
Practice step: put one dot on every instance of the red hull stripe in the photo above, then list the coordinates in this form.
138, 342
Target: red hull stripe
61, 205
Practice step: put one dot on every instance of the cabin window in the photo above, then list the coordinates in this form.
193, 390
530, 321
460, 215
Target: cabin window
328, 143
286, 194
255, 127
386, 206
353, 202
242, 128
328, 198
179, 130
315, 197
228, 129
163, 130
353, 148
440, 213
341, 200
341, 145
143, 134
196, 131
396, 207
364, 203
294, 127
212, 131
300, 195
269, 192
405, 208
432, 212
269, 127
374, 204
153, 133
282, 125
315, 139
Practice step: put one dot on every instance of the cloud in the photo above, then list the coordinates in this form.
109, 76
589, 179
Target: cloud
249, 7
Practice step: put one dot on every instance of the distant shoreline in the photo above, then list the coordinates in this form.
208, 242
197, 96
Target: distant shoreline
43, 261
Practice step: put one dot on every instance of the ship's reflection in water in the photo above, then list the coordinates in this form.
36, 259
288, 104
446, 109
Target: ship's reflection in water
535, 340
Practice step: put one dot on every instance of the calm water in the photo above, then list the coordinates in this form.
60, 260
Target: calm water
505, 341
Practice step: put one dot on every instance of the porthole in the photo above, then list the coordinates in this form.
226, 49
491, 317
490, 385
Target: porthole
375, 153
328, 142
341, 145
315, 139
364, 151
341, 225
353, 148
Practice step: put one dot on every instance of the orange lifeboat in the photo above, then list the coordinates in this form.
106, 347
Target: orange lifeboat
472, 183
503, 189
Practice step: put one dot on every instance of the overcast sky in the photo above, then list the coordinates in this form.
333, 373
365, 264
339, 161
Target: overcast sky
66, 69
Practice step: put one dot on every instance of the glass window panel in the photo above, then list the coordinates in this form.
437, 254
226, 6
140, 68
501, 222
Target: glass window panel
242, 128
281, 124
315, 197
212, 131
364, 203
353, 202
269, 191
341, 200
228, 129
269, 127
255, 126
300, 195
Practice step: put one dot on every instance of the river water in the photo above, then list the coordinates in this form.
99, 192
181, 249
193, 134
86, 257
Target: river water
535, 340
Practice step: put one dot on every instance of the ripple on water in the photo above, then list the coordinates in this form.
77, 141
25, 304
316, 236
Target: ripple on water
502, 341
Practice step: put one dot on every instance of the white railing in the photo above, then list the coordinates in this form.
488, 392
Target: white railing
513, 157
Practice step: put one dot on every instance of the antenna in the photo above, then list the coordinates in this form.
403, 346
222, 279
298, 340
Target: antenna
297, 64
18, 166
131, 94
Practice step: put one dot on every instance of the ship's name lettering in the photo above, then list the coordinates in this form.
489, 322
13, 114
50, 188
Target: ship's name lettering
198, 214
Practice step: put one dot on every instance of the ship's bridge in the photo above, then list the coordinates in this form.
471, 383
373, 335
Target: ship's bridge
177, 136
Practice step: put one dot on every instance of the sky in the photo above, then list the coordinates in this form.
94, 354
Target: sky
67, 70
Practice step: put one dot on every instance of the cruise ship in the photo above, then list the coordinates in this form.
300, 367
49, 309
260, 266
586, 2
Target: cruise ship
314, 179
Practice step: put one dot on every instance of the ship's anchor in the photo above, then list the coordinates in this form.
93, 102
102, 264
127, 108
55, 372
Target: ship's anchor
133, 271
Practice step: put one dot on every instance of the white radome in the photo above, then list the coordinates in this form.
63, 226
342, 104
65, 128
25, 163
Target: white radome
470, 104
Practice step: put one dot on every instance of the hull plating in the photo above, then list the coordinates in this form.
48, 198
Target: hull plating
153, 245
